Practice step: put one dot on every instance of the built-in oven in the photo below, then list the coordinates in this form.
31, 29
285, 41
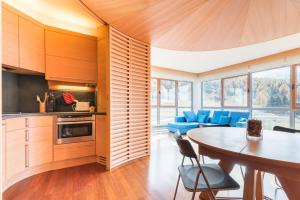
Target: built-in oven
74, 128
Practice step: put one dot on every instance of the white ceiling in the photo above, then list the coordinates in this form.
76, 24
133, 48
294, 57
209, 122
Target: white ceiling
65, 14
201, 61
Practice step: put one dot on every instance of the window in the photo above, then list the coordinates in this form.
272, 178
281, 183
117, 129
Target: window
153, 92
184, 94
211, 93
167, 93
297, 86
271, 118
168, 99
235, 91
271, 88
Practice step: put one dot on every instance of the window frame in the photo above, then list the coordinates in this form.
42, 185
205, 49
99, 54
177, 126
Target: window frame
159, 106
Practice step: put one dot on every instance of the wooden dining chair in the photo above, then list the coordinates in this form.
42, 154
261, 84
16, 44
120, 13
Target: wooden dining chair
201, 177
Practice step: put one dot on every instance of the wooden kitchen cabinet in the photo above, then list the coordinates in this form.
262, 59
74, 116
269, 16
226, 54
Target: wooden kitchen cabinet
40, 140
101, 138
32, 45
15, 149
10, 39
28, 143
70, 56
74, 150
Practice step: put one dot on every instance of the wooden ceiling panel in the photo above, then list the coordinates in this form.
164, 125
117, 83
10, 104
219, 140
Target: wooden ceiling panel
198, 25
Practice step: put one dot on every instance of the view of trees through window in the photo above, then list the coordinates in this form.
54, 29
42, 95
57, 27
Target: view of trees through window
270, 95
235, 91
271, 91
211, 91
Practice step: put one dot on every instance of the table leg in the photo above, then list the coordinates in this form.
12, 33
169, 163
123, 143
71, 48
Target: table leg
227, 166
259, 186
253, 185
291, 187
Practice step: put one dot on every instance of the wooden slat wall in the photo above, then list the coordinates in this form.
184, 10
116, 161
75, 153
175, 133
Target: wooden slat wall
129, 102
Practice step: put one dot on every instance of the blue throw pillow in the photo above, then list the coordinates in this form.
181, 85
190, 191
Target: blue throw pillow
190, 116
201, 118
224, 120
203, 112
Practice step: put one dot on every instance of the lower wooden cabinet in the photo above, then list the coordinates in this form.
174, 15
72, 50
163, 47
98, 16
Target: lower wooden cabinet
40, 145
74, 150
14, 152
28, 142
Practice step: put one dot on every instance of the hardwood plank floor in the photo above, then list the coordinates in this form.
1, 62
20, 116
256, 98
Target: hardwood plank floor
147, 178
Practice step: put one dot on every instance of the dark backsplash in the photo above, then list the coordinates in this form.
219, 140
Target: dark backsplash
19, 93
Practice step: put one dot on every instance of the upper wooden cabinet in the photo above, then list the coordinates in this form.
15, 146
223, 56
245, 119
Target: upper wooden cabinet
23, 42
70, 56
32, 45
10, 38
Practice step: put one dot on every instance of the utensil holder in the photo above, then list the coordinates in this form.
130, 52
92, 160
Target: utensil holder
42, 107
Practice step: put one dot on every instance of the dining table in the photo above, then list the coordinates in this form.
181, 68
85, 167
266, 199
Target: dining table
277, 153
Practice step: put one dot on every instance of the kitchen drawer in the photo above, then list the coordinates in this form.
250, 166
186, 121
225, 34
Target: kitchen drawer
40, 121
74, 150
15, 124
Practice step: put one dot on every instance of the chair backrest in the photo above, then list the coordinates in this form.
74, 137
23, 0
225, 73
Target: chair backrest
284, 129
185, 147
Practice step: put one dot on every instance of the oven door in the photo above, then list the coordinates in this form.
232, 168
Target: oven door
69, 132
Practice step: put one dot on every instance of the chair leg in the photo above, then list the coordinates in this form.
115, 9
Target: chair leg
194, 193
176, 187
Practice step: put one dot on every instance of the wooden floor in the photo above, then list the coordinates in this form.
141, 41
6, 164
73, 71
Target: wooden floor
147, 178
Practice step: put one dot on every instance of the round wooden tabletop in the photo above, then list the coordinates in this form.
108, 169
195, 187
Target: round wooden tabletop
278, 148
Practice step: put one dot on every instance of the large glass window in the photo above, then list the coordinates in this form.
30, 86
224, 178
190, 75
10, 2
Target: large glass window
271, 88
167, 93
297, 84
271, 118
235, 91
154, 92
168, 99
184, 94
211, 91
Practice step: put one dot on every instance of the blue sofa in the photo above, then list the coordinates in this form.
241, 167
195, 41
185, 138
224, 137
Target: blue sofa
220, 118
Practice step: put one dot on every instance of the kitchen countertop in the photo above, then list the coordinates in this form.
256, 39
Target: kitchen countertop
20, 114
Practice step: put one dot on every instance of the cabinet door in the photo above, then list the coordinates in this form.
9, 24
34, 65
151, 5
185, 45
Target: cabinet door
3, 152
15, 152
40, 144
32, 48
100, 135
10, 44
70, 56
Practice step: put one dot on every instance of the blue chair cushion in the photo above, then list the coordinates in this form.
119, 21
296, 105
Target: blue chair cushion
237, 116
202, 118
217, 115
190, 116
203, 112
224, 120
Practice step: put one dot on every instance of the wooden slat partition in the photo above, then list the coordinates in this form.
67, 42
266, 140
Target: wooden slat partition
129, 99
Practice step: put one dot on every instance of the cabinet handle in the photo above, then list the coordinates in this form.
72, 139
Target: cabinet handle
27, 135
26, 122
26, 156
